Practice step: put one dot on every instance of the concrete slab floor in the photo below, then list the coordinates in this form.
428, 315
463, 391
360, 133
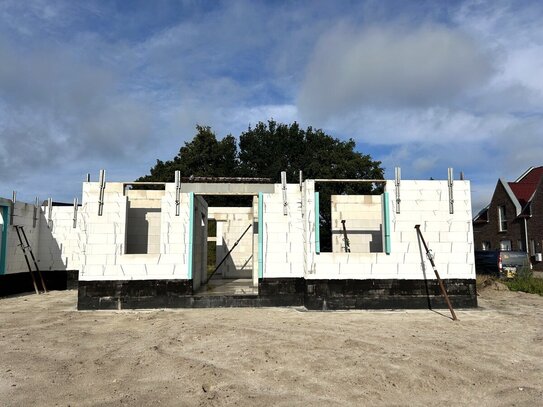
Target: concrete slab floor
220, 286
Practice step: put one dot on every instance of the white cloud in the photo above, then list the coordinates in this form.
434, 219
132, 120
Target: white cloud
390, 66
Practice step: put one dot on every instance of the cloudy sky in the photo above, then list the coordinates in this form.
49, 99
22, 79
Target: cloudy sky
86, 85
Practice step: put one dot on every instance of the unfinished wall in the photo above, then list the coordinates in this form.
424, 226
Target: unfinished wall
59, 242
23, 215
231, 223
104, 238
363, 216
422, 202
199, 242
283, 240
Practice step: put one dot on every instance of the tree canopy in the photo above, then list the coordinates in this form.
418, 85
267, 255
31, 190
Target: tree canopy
265, 151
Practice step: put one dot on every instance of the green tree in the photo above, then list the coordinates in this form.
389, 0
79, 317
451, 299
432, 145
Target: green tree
265, 151
268, 149
203, 156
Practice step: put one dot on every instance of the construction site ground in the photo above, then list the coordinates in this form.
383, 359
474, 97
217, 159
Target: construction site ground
54, 355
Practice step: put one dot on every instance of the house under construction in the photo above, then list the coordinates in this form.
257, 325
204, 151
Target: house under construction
138, 245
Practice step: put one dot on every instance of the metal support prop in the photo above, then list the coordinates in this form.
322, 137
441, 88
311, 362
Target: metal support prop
450, 177
75, 213
35, 217
49, 212
102, 181
441, 285
229, 251
12, 207
284, 188
345, 238
25, 245
87, 177
397, 176
177, 192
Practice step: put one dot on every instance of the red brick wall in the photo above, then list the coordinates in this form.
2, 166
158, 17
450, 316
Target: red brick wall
490, 231
535, 223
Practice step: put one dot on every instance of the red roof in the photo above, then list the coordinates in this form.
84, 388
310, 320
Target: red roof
524, 187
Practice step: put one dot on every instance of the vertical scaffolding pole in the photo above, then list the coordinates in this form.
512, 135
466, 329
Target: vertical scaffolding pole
450, 181
177, 191
102, 181
49, 212
36, 208
12, 207
284, 188
397, 176
317, 225
75, 213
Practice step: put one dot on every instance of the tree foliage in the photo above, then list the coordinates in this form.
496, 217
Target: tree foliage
265, 151
203, 156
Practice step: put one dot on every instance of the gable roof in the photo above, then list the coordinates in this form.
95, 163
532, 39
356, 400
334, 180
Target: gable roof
524, 187
512, 196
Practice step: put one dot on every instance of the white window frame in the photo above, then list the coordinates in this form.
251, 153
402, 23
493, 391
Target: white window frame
502, 219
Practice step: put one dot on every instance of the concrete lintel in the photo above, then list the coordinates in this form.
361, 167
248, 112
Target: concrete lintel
201, 188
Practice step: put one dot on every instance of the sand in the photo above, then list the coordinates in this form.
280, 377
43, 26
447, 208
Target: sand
53, 355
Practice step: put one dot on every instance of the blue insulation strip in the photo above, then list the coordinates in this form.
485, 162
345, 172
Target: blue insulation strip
386, 216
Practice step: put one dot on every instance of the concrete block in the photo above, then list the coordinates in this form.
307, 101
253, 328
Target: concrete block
460, 237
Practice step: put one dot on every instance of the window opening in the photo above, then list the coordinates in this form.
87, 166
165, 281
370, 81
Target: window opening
502, 218
143, 219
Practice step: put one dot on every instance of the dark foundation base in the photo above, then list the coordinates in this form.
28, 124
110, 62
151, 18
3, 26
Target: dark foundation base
18, 283
276, 292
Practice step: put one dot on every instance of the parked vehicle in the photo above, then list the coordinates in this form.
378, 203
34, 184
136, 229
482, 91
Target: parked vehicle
500, 263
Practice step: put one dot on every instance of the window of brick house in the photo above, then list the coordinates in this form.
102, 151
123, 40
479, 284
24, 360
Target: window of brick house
502, 218
532, 247
505, 245
485, 245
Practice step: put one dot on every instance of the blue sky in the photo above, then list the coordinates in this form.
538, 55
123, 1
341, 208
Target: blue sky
116, 85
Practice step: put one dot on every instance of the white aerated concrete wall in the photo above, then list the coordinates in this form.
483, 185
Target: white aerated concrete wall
283, 234
363, 216
23, 215
59, 243
426, 203
55, 244
104, 238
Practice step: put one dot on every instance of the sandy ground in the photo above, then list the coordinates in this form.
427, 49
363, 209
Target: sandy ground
54, 355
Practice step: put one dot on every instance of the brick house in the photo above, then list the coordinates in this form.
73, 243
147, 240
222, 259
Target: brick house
514, 218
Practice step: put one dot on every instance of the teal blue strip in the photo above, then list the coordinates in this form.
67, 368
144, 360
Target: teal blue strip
191, 233
4, 243
317, 225
386, 221
260, 235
